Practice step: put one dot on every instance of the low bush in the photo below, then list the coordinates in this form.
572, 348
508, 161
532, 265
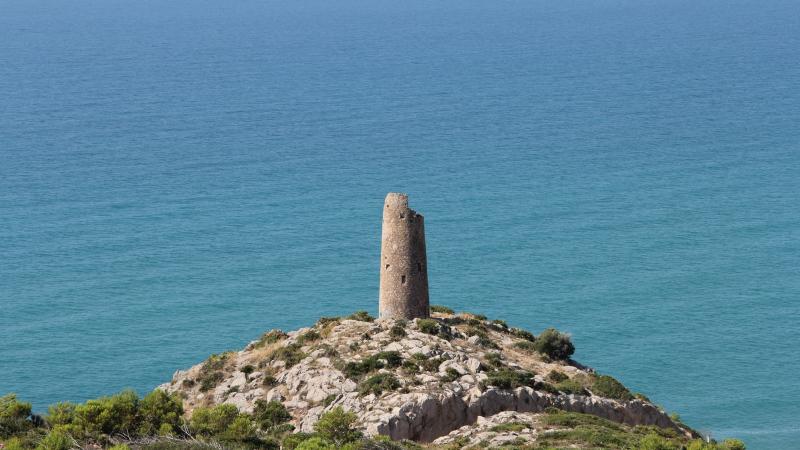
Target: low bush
523, 334
398, 330
450, 375
510, 426
15, 416
483, 338
356, 369
379, 383
500, 324
308, 336
325, 321
160, 413
316, 443
495, 360
606, 386
509, 379
554, 344
441, 309
99, 420
338, 426
556, 376
410, 367
290, 354
570, 387
392, 358
270, 414
362, 316
55, 440
270, 337
525, 346
247, 370
428, 326
213, 421
211, 371
427, 364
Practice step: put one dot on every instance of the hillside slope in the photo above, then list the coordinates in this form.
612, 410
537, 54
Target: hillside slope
445, 379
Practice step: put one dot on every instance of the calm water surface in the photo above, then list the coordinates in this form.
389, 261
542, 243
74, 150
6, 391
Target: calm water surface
177, 177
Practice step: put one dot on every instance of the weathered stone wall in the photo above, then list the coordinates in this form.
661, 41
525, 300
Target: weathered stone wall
404, 264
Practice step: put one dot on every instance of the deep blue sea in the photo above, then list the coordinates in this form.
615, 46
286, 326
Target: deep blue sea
178, 177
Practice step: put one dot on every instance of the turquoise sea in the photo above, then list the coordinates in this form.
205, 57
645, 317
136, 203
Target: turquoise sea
178, 177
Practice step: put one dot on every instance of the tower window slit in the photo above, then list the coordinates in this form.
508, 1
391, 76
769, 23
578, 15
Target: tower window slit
402, 279
419, 267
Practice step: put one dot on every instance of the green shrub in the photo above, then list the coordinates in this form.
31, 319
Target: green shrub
441, 309
379, 383
159, 412
289, 354
338, 426
410, 367
213, 421
525, 346
392, 358
211, 372
292, 441
570, 387
210, 380
509, 379
270, 337
428, 326
554, 344
556, 376
483, 338
450, 375
427, 364
316, 443
510, 426
107, 416
241, 429
362, 316
480, 317
500, 324
606, 386
270, 414
308, 336
329, 399
14, 416
495, 360
325, 321
523, 334
55, 440
733, 444
655, 442
356, 369
119, 447
61, 414
247, 370
398, 330
14, 444
269, 379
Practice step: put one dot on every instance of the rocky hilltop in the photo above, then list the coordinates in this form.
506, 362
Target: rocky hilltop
453, 378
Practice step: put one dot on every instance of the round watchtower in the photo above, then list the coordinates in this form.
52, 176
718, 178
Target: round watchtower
404, 264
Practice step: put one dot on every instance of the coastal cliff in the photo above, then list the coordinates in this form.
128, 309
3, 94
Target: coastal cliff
439, 380
446, 382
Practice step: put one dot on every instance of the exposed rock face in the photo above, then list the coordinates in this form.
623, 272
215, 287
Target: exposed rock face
441, 382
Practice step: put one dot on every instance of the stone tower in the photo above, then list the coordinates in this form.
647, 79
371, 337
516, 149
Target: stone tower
404, 265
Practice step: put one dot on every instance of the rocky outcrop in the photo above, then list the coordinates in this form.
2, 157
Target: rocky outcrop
417, 380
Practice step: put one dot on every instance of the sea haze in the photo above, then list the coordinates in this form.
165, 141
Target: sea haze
178, 177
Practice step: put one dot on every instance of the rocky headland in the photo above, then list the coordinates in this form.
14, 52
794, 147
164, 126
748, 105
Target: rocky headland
453, 378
